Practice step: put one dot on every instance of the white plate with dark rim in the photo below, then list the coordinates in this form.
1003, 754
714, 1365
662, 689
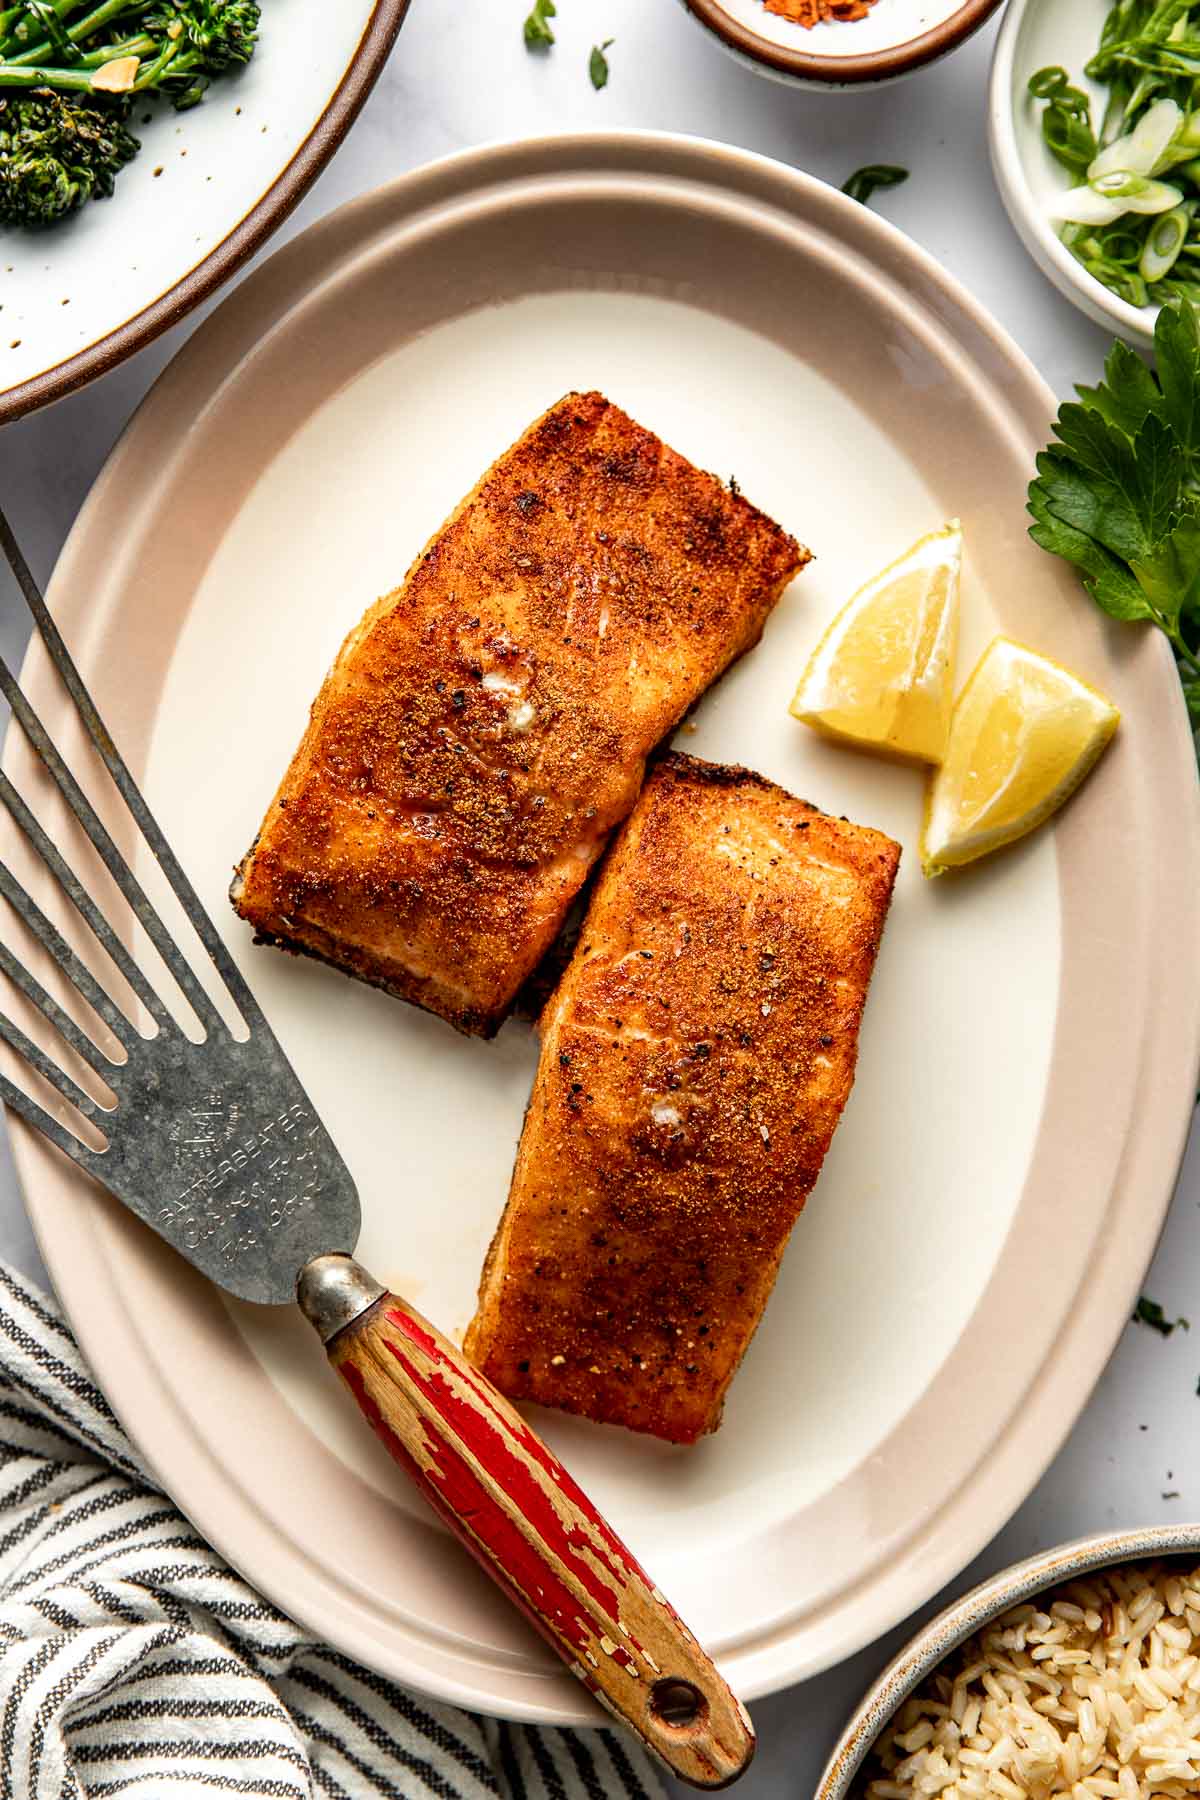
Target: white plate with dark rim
1001, 1175
207, 189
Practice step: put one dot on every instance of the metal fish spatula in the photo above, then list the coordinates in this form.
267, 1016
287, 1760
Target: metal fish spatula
267, 1209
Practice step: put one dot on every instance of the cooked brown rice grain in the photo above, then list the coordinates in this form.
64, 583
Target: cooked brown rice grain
1092, 1693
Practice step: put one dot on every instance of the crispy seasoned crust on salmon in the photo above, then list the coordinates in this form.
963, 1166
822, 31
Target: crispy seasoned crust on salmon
486, 725
695, 1061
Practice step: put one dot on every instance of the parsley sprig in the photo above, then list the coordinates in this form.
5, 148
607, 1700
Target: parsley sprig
1118, 492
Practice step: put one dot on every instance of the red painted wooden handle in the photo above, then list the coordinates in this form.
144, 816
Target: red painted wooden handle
504, 1493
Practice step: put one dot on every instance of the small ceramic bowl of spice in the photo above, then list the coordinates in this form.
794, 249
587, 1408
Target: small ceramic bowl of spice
840, 43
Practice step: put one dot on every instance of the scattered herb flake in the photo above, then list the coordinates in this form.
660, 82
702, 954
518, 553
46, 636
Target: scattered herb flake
598, 64
538, 34
1171, 1494
864, 182
1149, 1312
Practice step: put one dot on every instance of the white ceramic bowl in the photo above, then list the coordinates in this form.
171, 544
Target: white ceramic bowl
1035, 33
1023, 1581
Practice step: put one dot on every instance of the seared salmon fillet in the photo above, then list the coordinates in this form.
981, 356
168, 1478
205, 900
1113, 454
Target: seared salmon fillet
695, 1061
487, 725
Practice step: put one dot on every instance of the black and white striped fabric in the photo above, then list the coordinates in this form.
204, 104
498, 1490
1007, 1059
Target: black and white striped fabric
134, 1661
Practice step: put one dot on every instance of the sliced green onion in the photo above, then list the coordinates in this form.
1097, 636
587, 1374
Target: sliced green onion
1134, 225
1127, 284
1104, 201
1138, 194
1141, 149
1164, 241
1084, 206
1123, 247
1114, 115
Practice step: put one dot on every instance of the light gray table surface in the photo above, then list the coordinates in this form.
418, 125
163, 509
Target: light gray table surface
461, 76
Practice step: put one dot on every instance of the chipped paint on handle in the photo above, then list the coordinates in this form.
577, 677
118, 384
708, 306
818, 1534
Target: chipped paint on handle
510, 1501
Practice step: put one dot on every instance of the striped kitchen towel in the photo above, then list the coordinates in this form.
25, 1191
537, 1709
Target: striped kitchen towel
134, 1661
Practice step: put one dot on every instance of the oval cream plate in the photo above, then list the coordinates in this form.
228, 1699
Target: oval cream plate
1004, 1165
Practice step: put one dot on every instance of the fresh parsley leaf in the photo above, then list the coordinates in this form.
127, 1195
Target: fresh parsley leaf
1128, 392
1121, 491
1169, 575
1108, 580
1101, 509
1161, 477
1102, 451
1149, 1312
598, 64
537, 30
864, 182
1118, 492
1177, 352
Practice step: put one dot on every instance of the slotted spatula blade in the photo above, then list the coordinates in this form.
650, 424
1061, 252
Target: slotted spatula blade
216, 1145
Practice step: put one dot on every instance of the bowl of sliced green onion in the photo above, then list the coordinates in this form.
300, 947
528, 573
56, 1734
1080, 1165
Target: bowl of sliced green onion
1095, 139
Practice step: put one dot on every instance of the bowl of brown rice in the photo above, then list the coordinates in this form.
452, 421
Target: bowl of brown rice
1076, 1673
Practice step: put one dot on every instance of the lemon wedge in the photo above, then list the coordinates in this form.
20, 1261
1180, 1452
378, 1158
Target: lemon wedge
1024, 734
882, 675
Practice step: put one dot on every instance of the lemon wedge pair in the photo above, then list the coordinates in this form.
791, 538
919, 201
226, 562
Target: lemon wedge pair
1022, 736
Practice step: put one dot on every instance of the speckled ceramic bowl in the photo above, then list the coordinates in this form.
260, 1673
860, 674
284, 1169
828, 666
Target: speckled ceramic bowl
895, 37
1022, 1582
